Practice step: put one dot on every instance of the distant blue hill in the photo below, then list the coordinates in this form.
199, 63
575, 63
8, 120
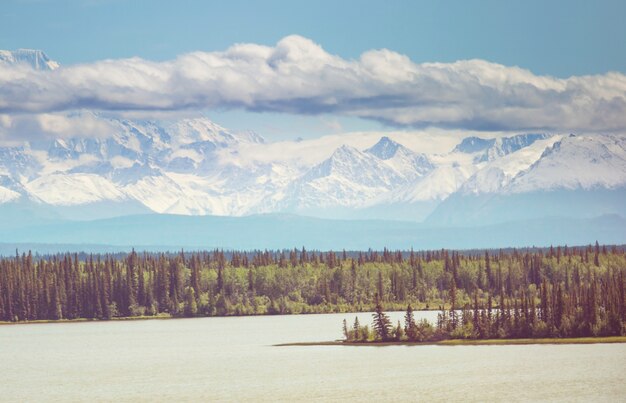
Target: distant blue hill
277, 231
484, 209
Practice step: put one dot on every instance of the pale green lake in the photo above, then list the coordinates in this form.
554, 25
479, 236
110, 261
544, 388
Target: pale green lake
233, 359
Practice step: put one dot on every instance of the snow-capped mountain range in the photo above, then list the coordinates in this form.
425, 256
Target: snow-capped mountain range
197, 167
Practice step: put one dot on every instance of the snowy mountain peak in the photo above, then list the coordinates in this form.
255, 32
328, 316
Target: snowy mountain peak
36, 59
492, 149
342, 158
404, 161
351, 165
471, 145
347, 178
580, 162
384, 149
507, 145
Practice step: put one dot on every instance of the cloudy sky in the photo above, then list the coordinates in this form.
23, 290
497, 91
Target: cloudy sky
289, 70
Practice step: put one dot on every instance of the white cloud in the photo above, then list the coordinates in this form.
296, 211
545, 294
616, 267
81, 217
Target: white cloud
298, 76
54, 125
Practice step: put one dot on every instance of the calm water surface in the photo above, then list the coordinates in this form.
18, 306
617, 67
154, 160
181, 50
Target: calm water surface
232, 359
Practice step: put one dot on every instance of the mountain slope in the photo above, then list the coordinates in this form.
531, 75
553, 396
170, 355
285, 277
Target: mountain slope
576, 162
578, 176
346, 179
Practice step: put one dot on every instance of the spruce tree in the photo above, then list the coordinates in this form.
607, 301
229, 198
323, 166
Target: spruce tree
382, 323
356, 328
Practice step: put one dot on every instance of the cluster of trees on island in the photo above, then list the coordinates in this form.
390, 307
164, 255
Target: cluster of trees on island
506, 293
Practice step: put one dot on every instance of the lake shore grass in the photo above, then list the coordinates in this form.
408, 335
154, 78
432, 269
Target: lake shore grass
465, 342
84, 320
163, 316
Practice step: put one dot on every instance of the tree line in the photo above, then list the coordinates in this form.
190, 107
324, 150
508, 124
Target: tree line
497, 293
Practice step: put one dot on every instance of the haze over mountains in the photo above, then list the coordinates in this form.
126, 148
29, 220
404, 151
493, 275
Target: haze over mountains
197, 167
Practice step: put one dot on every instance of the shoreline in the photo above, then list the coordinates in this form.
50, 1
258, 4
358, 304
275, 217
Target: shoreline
464, 342
164, 316
87, 320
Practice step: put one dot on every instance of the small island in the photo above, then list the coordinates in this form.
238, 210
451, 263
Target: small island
558, 320
474, 328
556, 317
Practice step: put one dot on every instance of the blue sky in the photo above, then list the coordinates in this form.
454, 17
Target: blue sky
559, 38
554, 38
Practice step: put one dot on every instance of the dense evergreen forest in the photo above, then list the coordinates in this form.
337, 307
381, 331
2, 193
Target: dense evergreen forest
568, 291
